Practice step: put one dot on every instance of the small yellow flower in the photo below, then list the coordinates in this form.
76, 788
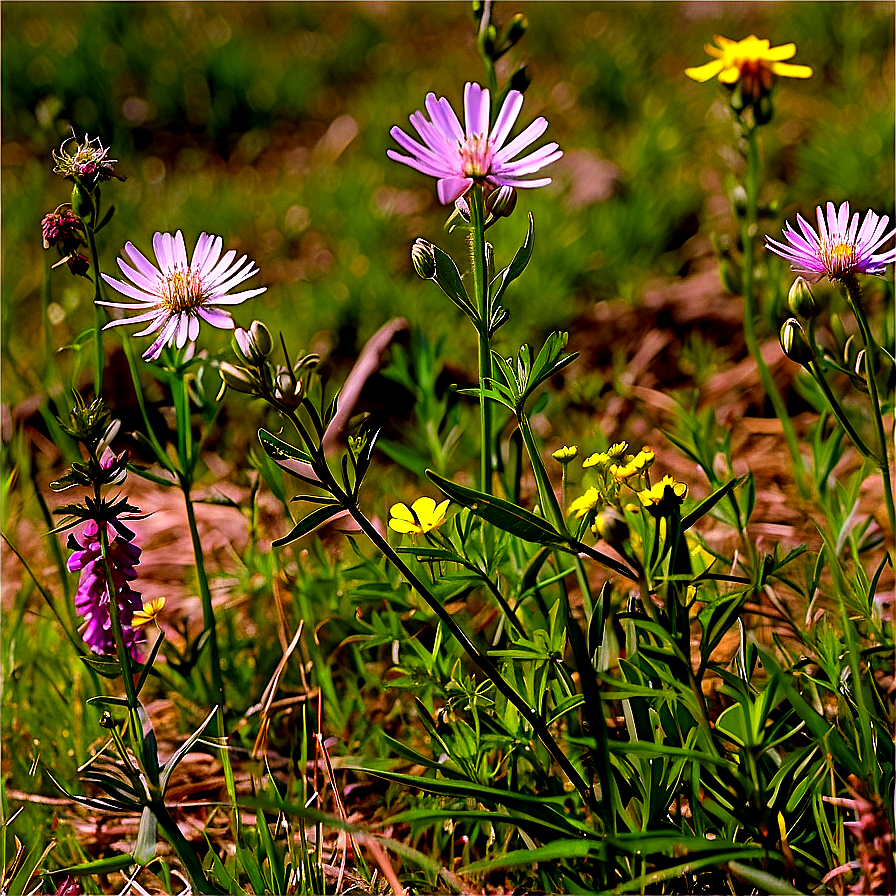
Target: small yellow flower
601, 459
565, 454
664, 492
751, 61
422, 516
617, 450
582, 505
149, 613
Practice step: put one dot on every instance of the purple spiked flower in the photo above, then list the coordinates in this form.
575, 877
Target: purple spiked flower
461, 159
174, 297
840, 249
92, 597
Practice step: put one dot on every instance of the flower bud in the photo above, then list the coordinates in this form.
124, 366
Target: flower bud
520, 79
423, 257
62, 228
255, 344
237, 378
860, 363
611, 526
739, 200
801, 300
763, 109
261, 338
565, 454
78, 264
463, 208
516, 28
794, 343
500, 203
82, 205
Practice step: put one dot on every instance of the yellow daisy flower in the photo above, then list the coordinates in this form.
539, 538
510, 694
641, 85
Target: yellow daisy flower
565, 454
665, 491
422, 516
600, 459
751, 61
582, 505
149, 613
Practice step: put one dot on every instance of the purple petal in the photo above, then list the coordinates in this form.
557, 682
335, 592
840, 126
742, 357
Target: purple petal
220, 319
450, 188
131, 291
506, 118
521, 141
476, 109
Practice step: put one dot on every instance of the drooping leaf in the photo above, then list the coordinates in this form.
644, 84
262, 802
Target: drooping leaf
308, 524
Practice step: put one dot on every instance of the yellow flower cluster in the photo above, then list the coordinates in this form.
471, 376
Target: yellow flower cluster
605, 458
633, 466
582, 505
422, 516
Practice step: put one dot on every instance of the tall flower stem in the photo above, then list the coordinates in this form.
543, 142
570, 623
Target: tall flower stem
481, 288
99, 315
854, 294
205, 597
749, 230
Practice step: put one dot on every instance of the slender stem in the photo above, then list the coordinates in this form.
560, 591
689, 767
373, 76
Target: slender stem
854, 293
45, 296
480, 287
839, 413
205, 597
181, 846
99, 315
749, 229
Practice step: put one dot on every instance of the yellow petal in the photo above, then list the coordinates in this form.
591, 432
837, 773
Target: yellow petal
401, 512
786, 70
404, 527
441, 510
723, 41
730, 75
704, 72
785, 51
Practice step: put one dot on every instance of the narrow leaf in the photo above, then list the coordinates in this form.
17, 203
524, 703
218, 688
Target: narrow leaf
314, 520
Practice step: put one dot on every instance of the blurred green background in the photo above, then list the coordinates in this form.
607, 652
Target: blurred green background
268, 123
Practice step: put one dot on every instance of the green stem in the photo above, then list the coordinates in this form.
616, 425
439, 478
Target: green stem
99, 315
480, 288
839, 413
854, 294
181, 846
749, 229
205, 597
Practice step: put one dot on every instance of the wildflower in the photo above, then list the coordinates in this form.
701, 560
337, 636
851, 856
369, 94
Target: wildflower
586, 502
460, 159
565, 454
840, 249
86, 163
601, 459
149, 613
751, 62
92, 597
422, 516
801, 300
618, 449
175, 298
660, 496
794, 343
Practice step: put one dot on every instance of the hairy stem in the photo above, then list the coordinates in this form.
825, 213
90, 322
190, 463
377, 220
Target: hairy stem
480, 287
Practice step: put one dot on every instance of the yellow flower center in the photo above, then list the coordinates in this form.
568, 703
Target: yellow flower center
476, 156
838, 259
182, 291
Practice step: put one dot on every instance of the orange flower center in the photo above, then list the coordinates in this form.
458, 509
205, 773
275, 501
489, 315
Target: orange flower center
182, 291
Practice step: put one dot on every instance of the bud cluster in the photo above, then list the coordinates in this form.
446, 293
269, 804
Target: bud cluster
279, 385
64, 230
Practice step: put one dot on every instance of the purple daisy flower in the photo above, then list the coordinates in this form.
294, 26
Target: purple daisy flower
840, 248
92, 597
459, 160
178, 294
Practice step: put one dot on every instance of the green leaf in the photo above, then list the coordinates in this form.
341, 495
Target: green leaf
147, 838
185, 748
709, 502
278, 450
449, 281
314, 520
517, 266
559, 849
107, 666
509, 517
763, 880
99, 866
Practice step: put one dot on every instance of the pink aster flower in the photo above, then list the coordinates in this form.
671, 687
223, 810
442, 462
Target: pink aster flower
840, 248
174, 297
461, 159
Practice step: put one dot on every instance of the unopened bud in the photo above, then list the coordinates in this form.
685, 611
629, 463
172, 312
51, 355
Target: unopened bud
261, 337
516, 28
106, 720
463, 208
739, 200
500, 203
423, 257
763, 109
801, 300
794, 343
254, 344
611, 526
860, 363
237, 378
520, 79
